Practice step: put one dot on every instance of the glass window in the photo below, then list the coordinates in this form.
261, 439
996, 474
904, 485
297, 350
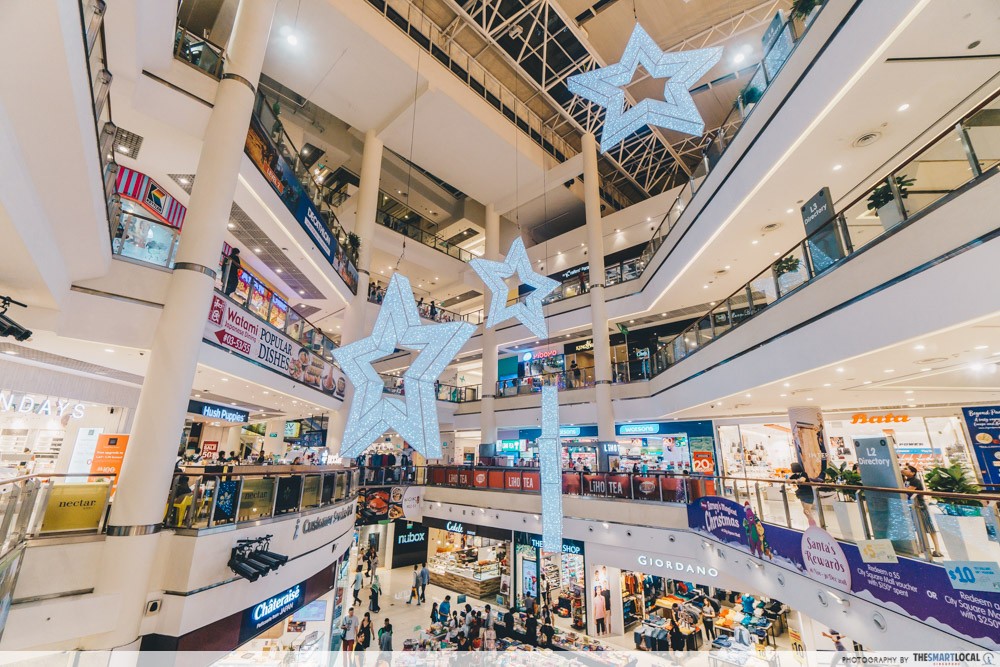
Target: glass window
279, 312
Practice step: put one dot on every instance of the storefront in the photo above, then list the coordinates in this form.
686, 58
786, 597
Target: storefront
552, 579
469, 559
674, 446
50, 434
534, 368
641, 596
764, 448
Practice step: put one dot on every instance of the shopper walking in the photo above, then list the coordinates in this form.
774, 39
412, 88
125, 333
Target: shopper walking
364, 634
375, 590
385, 637
350, 630
415, 587
435, 614
359, 582
425, 579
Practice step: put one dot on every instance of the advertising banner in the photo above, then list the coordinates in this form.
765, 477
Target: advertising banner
282, 179
645, 488
225, 501
922, 590
74, 507
571, 484
373, 505
312, 491
984, 429
108, 457
411, 506
410, 544
256, 498
237, 331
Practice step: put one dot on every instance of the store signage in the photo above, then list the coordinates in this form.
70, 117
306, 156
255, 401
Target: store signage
569, 273
270, 611
569, 431
108, 457
236, 330
74, 507
572, 547
40, 405
467, 529
409, 538
221, 412
582, 346
984, 428
311, 525
817, 211
509, 445
889, 418
610, 447
411, 543
675, 566
638, 429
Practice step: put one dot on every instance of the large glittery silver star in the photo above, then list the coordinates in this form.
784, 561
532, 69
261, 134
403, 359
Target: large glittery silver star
414, 417
606, 86
495, 274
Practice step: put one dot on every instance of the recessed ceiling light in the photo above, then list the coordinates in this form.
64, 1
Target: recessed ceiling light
649, 219
618, 230
809, 399
704, 286
292, 39
776, 254
908, 391
903, 107
302, 292
918, 347
197, 395
826, 384
257, 250
232, 404
12, 353
711, 303
738, 58
911, 399
726, 267
980, 347
782, 395
582, 245
889, 370
926, 370
123, 149
838, 167
754, 242
108, 349
747, 395
231, 226
183, 181
787, 384
631, 321
225, 379
791, 210
867, 382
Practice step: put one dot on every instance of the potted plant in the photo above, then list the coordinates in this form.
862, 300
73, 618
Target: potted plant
845, 506
805, 10
785, 271
882, 201
961, 526
353, 244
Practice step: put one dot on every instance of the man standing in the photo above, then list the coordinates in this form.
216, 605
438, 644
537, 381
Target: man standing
415, 589
425, 578
359, 582
350, 628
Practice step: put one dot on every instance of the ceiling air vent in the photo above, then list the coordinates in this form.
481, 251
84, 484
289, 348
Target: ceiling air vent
867, 139
767, 229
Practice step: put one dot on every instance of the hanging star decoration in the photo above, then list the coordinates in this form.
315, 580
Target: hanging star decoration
550, 471
605, 86
495, 274
414, 416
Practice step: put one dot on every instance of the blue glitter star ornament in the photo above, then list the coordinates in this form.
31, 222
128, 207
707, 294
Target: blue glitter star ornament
550, 471
414, 417
494, 274
606, 87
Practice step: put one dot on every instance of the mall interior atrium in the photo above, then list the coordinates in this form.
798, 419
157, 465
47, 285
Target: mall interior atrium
609, 333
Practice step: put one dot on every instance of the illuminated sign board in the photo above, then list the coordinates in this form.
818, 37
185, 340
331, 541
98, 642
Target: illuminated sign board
219, 412
638, 429
569, 431
264, 614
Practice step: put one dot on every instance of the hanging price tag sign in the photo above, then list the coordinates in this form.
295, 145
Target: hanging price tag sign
973, 575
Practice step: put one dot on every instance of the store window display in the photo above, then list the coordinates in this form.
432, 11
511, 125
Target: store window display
468, 564
551, 582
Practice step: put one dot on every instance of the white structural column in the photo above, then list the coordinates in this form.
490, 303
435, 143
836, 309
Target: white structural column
487, 405
129, 551
598, 309
355, 323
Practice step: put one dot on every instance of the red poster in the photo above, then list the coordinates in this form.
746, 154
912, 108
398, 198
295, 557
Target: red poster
703, 462
512, 480
673, 489
531, 481
108, 456
496, 479
464, 478
480, 479
210, 447
645, 488
438, 476
571, 484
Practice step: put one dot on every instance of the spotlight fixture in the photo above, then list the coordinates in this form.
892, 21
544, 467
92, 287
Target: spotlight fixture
9, 327
252, 559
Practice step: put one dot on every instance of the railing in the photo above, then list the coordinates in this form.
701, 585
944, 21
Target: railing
217, 496
92, 25
950, 162
428, 311
571, 378
342, 254
449, 393
412, 231
198, 52
929, 524
47, 505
